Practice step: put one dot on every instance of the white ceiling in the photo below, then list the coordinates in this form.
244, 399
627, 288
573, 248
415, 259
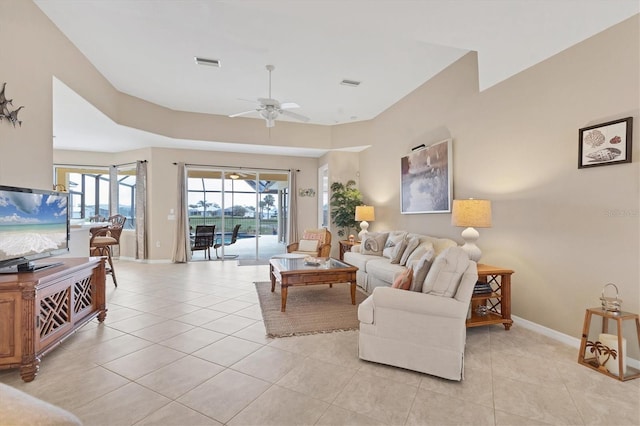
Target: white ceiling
146, 48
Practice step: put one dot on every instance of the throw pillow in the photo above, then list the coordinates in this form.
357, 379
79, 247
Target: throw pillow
411, 246
420, 251
421, 269
308, 245
314, 234
446, 272
393, 239
398, 252
373, 243
403, 281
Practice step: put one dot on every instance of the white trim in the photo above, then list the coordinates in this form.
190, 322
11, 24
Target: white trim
561, 337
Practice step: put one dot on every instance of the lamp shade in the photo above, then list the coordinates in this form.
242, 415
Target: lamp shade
365, 213
471, 212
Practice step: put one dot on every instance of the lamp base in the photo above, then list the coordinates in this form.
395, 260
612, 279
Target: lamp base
364, 225
470, 236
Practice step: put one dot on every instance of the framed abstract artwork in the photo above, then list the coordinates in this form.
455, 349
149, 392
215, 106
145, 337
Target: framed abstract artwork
426, 179
605, 144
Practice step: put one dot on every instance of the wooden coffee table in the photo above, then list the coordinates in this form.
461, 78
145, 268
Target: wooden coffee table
295, 272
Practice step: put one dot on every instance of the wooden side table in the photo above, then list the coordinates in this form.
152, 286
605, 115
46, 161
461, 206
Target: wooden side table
593, 362
345, 246
497, 303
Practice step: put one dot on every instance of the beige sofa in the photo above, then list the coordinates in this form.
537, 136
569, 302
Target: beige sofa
377, 270
422, 330
20, 408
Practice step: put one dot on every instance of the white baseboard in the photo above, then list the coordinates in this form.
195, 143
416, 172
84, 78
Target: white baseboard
561, 337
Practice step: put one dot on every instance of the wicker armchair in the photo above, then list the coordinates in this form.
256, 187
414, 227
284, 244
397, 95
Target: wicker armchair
323, 248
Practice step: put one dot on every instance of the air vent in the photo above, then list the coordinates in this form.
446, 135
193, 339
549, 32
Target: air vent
352, 83
209, 62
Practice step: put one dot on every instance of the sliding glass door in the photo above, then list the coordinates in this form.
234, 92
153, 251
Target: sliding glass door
247, 207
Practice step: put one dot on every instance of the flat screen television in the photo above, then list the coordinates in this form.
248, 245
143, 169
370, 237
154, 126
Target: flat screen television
34, 224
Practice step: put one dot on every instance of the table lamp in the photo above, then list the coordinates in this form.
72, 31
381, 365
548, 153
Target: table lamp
363, 214
471, 213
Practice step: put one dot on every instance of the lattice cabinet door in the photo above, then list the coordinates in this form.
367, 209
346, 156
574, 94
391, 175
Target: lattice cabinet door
83, 297
54, 313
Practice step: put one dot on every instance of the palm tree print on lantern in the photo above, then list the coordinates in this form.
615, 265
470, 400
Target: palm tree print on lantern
598, 349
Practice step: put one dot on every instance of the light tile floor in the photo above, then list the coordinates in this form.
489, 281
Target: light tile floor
185, 345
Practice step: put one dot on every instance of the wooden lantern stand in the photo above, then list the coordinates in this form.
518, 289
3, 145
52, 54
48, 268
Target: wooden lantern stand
594, 363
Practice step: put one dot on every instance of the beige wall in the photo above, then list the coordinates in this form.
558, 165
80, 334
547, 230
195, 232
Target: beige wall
566, 232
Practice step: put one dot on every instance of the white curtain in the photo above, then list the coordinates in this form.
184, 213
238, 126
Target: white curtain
293, 207
141, 209
182, 247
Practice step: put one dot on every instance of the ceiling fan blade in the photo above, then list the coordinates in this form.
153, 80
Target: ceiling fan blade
243, 113
289, 105
295, 115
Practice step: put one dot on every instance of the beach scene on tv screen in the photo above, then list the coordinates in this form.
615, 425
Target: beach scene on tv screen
31, 223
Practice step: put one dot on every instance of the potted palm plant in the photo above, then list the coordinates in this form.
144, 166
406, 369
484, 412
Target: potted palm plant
344, 199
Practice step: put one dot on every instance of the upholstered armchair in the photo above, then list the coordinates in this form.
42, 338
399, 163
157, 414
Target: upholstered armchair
424, 330
314, 242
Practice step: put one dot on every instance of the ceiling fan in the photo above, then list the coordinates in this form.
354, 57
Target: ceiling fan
270, 108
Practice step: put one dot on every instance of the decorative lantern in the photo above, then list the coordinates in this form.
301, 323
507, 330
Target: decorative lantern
610, 304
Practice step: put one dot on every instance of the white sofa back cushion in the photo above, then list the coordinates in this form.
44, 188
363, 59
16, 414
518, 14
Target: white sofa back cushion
446, 272
439, 244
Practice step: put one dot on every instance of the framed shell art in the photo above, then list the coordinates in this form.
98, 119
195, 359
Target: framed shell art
426, 184
605, 144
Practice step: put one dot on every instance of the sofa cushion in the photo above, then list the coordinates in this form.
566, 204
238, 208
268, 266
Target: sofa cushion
394, 238
360, 260
445, 273
420, 251
305, 253
421, 268
308, 245
384, 270
373, 243
398, 251
403, 281
439, 244
412, 243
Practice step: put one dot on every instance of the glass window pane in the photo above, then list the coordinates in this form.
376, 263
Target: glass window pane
89, 189
103, 196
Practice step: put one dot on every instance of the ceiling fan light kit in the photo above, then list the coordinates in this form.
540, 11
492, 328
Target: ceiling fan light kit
270, 108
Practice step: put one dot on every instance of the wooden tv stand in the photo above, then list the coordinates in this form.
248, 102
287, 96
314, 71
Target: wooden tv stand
38, 310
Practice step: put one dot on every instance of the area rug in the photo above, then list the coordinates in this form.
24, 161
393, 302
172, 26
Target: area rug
310, 309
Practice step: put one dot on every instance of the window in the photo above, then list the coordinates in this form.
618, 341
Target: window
90, 191
323, 198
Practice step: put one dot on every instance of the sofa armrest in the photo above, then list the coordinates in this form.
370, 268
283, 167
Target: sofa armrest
365, 311
292, 247
355, 248
420, 303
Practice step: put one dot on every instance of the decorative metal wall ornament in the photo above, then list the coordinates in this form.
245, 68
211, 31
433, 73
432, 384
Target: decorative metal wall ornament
5, 113
310, 192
